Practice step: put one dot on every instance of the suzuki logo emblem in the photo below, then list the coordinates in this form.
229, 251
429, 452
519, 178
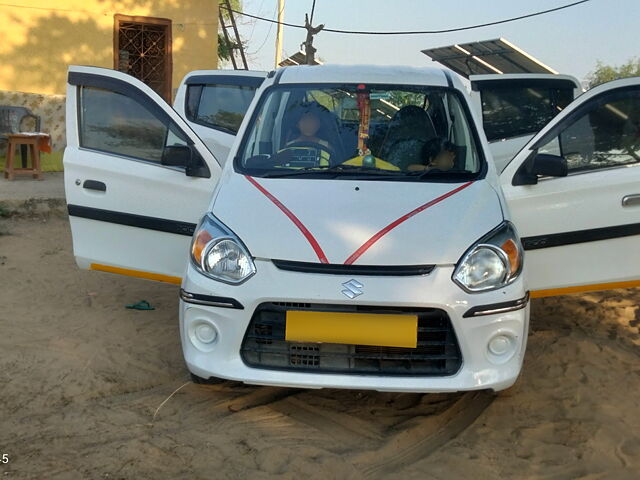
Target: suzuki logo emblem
352, 289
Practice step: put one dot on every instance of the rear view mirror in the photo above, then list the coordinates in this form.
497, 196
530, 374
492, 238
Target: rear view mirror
540, 164
187, 157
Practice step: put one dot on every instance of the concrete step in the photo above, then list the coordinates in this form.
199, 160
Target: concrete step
27, 196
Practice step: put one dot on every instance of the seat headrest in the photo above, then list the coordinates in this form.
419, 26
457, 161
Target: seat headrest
300, 109
414, 117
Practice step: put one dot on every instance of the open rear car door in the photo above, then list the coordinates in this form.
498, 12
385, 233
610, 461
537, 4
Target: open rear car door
214, 103
137, 178
514, 107
574, 194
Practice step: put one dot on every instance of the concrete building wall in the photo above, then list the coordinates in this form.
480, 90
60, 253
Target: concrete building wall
41, 38
50, 109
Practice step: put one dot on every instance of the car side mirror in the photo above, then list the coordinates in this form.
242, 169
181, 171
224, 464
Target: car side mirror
540, 164
185, 156
177, 156
550, 165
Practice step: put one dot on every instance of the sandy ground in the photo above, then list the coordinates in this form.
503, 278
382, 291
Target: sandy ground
81, 379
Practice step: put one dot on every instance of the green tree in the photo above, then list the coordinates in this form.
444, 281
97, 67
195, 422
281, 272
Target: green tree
605, 73
224, 48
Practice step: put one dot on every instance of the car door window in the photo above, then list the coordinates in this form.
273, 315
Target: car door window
114, 123
512, 111
552, 147
219, 106
605, 135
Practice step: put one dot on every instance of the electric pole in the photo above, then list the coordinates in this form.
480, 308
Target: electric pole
309, 49
279, 33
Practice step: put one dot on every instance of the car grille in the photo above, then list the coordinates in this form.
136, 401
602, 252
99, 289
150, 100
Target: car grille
437, 353
342, 269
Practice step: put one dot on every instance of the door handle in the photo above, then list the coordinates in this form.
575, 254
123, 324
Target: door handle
94, 185
630, 200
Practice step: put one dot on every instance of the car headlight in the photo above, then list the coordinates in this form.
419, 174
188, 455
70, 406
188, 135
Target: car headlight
219, 254
493, 262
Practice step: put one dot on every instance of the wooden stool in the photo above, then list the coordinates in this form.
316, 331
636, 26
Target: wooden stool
32, 141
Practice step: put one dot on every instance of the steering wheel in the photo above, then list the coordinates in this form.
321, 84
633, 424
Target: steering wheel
284, 154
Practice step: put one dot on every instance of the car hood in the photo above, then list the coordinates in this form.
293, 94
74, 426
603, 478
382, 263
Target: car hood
360, 222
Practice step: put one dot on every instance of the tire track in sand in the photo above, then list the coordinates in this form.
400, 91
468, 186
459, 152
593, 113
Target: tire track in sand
345, 429
428, 434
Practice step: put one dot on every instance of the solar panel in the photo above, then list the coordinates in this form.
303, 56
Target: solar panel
488, 56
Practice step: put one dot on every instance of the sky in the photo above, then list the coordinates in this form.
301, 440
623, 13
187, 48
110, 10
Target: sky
569, 41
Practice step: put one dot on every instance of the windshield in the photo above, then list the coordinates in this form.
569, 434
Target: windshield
368, 131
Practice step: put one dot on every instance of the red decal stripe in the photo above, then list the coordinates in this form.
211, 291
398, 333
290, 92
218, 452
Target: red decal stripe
307, 234
365, 246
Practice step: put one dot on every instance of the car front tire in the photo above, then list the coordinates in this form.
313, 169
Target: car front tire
206, 381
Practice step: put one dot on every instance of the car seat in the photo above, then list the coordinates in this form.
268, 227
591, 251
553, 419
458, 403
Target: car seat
409, 130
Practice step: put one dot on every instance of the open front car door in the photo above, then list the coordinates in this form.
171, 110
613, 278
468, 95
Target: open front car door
137, 178
574, 194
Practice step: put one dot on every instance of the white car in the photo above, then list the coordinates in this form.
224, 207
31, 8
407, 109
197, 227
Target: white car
359, 235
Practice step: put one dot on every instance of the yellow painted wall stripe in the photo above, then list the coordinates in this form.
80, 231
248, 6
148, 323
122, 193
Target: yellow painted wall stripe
158, 277
552, 292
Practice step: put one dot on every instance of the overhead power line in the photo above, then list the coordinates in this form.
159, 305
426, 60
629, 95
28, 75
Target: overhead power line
418, 32
313, 8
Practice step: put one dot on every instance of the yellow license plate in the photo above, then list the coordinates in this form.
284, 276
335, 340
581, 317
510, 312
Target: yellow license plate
375, 329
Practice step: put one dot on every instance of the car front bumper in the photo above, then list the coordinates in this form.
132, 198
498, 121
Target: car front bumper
480, 368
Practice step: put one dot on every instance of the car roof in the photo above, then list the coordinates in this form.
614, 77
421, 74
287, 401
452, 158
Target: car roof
238, 73
525, 76
401, 75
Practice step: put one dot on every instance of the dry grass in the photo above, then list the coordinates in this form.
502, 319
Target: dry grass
51, 162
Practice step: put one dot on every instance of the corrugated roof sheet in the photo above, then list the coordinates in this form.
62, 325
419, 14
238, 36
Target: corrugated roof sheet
298, 58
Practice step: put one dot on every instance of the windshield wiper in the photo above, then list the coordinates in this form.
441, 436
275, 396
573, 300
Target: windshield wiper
291, 173
356, 170
439, 174
336, 169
